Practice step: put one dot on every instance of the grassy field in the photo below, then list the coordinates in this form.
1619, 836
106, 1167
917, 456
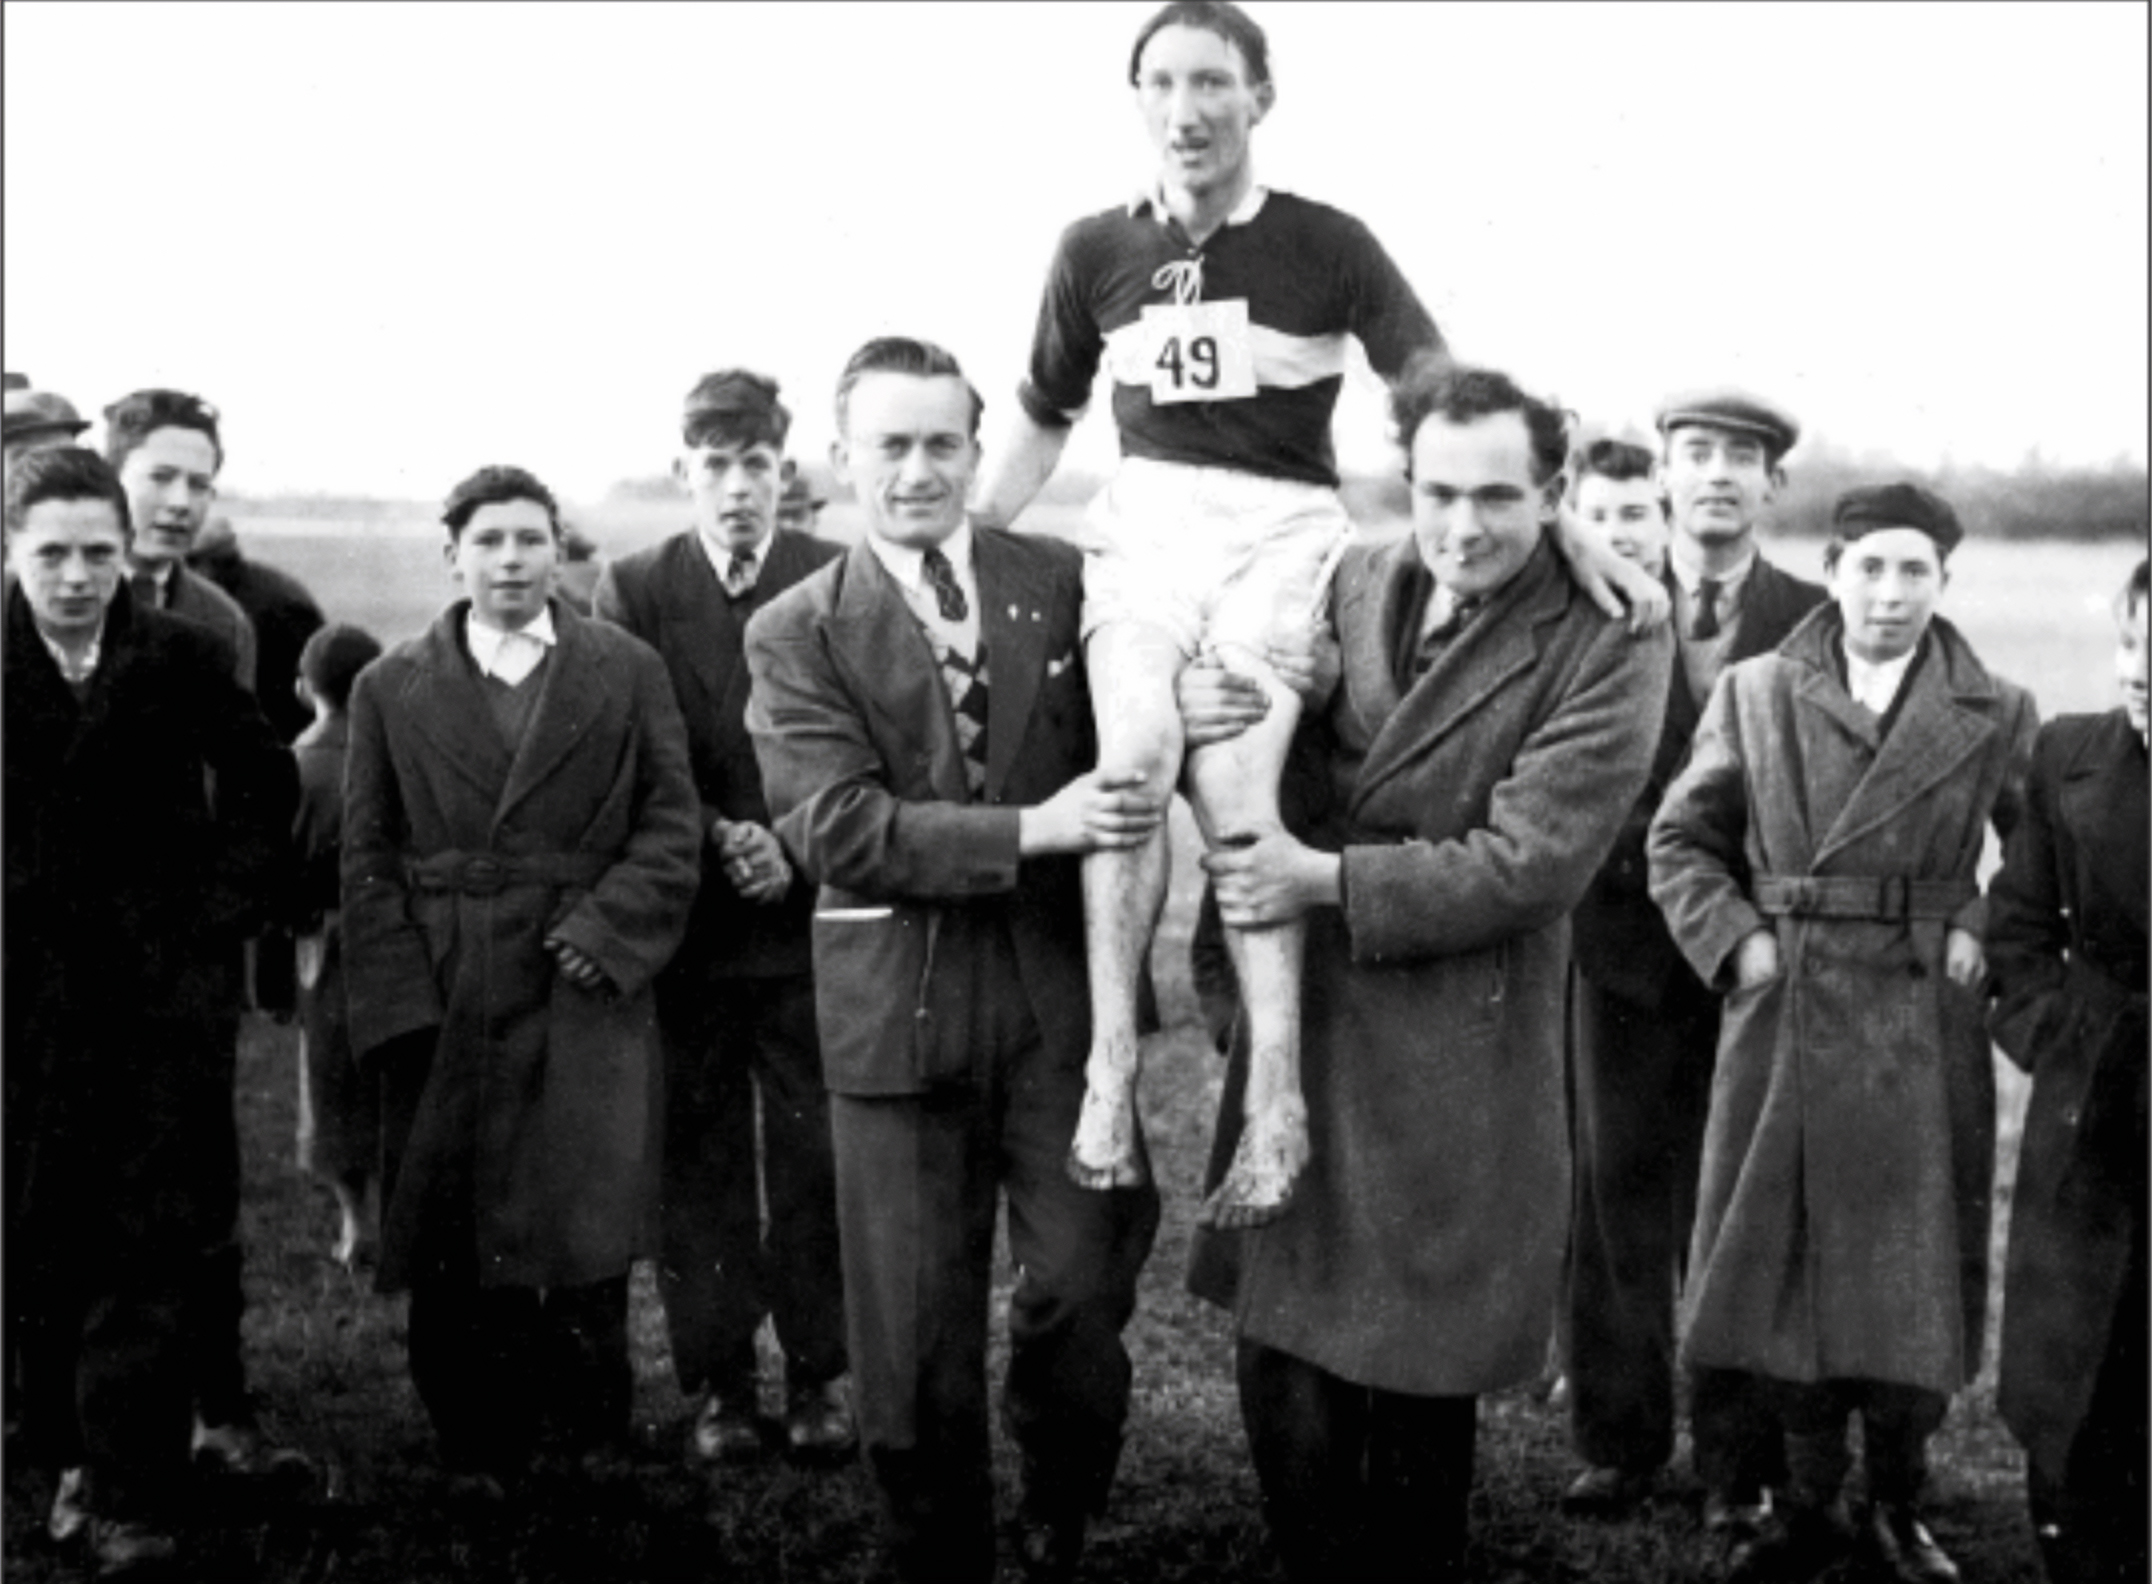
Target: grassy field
327, 1355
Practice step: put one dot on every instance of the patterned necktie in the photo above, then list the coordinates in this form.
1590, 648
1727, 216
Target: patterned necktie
144, 586
965, 681
740, 573
1706, 624
942, 577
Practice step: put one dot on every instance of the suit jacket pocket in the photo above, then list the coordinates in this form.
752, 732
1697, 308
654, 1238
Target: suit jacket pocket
871, 961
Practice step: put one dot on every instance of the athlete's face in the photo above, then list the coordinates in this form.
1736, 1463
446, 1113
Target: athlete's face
1718, 482
735, 485
1199, 106
1887, 584
67, 558
504, 559
908, 452
170, 479
2130, 663
1630, 513
1476, 513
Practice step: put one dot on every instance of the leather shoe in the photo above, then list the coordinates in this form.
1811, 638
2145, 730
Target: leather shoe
1736, 1511
1604, 1492
241, 1448
724, 1431
121, 1549
1048, 1548
818, 1420
70, 1506
1792, 1547
1906, 1546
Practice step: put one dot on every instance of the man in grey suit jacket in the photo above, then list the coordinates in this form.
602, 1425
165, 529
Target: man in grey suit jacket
736, 1005
1644, 1028
924, 727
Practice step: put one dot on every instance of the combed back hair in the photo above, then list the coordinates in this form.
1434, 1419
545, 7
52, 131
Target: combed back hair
63, 473
1435, 387
1609, 458
490, 486
902, 355
735, 407
1221, 17
332, 660
134, 418
2127, 603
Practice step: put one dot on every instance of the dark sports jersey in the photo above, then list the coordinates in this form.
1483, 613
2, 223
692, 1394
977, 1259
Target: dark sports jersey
1310, 275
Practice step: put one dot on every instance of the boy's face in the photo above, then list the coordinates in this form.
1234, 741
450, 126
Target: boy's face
170, 479
2130, 663
67, 557
1630, 513
1887, 584
504, 560
1717, 482
735, 484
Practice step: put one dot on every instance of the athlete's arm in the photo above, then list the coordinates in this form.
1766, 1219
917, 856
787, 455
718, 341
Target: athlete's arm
1018, 470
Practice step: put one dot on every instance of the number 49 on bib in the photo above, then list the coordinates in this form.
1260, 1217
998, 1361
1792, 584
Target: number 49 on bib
1200, 351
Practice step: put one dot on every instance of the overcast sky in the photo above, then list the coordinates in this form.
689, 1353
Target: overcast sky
395, 242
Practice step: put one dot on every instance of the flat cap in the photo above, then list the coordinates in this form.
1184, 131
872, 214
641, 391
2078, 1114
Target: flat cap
734, 399
1727, 408
35, 412
1863, 511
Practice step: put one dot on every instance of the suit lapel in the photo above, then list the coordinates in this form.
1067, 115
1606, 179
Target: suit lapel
572, 696
1499, 644
446, 704
1940, 725
875, 638
1012, 619
696, 620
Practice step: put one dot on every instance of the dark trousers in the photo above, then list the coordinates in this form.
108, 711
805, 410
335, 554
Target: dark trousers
918, 1180
1896, 1422
2089, 1514
216, 1290
1357, 1483
1641, 1094
722, 1270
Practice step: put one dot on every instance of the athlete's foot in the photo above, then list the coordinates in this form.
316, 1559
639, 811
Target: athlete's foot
1267, 1163
1104, 1154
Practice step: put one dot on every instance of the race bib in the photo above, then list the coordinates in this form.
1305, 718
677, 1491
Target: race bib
1199, 351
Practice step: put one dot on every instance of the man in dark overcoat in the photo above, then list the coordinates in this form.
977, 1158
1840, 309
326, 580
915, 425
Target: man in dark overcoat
521, 846
736, 1006
2066, 950
281, 611
120, 948
1464, 782
1644, 1028
924, 727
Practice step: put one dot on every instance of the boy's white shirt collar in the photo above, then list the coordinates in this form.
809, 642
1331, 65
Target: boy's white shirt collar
1875, 684
721, 559
499, 653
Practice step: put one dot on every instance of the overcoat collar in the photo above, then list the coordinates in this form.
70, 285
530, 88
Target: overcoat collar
575, 690
1502, 641
875, 635
1949, 712
49, 693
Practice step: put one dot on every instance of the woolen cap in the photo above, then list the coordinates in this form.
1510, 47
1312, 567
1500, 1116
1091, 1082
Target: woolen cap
1875, 506
35, 412
1727, 408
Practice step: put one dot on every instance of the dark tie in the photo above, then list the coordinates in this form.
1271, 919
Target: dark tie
965, 681
740, 573
947, 595
1706, 624
145, 590
1437, 637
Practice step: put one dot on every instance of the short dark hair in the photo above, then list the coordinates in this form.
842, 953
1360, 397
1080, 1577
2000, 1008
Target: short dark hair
1608, 458
332, 660
2134, 592
737, 405
1433, 386
134, 418
902, 355
64, 473
1221, 17
490, 486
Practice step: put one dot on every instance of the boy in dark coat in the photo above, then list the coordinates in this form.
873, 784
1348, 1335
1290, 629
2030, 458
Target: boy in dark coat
520, 849
2066, 947
122, 937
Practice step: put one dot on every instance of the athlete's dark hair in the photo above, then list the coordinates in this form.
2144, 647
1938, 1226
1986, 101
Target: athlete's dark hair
1433, 386
902, 355
134, 418
63, 473
332, 660
490, 486
2127, 602
1221, 17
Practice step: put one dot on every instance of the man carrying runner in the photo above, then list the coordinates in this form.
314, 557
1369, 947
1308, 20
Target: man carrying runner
1222, 310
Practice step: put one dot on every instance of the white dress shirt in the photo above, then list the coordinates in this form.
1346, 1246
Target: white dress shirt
511, 656
907, 564
1873, 686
